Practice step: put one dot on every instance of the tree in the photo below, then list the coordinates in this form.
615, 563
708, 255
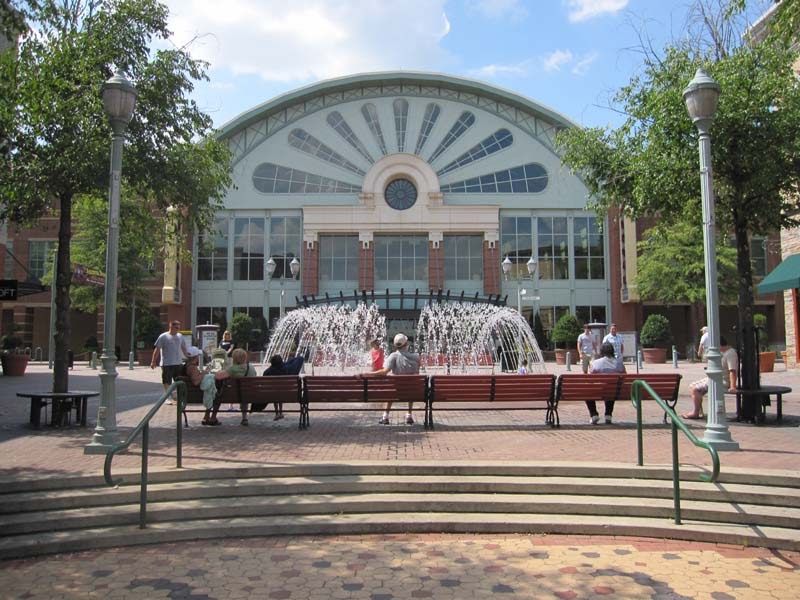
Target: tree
56, 137
671, 267
648, 166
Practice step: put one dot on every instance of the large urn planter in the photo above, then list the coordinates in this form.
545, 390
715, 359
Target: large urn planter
561, 356
654, 356
14, 365
766, 361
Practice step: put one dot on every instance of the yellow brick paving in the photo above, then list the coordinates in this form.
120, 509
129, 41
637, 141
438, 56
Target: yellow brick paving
444, 567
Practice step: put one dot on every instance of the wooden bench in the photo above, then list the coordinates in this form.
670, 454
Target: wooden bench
247, 391
666, 385
522, 392
319, 390
582, 387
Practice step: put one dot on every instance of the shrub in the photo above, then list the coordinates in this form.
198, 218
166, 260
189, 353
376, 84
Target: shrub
242, 326
760, 323
566, 331
656, 332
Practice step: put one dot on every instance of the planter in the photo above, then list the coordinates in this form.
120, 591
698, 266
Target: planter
766, 361
654, 356
561, 356
14, 365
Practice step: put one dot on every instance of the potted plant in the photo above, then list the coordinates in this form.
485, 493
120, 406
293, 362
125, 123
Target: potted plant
655, 337
766, 357
147, 330
14, 360
565, 335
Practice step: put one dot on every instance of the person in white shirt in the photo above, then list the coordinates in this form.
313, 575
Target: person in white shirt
587, 348
702, 347
730, 365
616, 341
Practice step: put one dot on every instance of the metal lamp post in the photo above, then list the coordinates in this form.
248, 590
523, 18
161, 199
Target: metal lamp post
701, 97
119, 100
294, 267
531, 266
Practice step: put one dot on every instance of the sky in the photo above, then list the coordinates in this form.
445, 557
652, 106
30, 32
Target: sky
568, 55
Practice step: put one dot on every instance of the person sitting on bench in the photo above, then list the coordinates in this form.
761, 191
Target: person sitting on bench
730, 362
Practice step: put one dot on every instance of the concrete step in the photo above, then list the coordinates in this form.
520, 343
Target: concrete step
397, 523
268, 506
75, 513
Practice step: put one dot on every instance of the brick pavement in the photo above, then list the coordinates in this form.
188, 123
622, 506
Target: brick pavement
457, 566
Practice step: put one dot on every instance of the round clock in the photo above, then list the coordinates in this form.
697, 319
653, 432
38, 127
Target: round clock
400, 194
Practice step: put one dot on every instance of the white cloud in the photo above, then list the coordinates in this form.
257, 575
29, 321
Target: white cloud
581, 66
492, 71
556, 59
307, 40
583, 10
497, 9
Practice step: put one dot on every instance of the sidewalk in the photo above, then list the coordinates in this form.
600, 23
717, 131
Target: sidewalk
349, 436
396, 567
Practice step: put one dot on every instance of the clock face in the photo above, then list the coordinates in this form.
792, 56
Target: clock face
400, 194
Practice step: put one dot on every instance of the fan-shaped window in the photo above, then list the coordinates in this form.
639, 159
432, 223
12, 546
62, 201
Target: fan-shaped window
371, 117
269, 178
432, 112
305, 142
400, 122
340, 126
525, 179
465, 121
501, 138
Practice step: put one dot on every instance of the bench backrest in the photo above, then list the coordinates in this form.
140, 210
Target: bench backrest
279, 388
461, 388
523, 388
588, 386
335, 388
666, 385
405, 388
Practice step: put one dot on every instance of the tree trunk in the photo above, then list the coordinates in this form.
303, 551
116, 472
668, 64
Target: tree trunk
63, 277
749, 356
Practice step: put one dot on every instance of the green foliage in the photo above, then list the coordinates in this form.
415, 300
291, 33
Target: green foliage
147, 328
11, 340
241, 329
649, 165
56, 136
671, 267
566, 330
760, 323
656, 332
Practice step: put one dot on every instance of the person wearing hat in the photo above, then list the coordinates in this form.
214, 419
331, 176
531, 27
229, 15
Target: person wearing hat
702, 347
399, 362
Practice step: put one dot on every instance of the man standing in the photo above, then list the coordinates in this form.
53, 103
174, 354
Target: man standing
587, 348
616, 341
170, 348
399, 362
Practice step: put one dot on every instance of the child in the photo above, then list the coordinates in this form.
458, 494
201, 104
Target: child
523, 367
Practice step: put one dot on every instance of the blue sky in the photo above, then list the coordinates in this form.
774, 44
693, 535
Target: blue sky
569, 55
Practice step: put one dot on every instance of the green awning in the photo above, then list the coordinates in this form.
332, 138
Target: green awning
785, 276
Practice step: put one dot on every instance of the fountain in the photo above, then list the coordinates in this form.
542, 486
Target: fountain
451, 337
473, 338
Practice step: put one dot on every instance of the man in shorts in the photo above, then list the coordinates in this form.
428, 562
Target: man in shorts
170, 348
730, 366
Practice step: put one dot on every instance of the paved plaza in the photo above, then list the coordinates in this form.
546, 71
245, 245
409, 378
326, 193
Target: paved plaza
413, 566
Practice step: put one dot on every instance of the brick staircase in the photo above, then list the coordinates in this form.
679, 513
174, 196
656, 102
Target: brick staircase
43, 516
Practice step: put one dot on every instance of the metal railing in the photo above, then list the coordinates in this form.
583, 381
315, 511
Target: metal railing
677, 423
144, 428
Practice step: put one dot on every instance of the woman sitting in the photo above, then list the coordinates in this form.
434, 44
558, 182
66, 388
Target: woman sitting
239, 368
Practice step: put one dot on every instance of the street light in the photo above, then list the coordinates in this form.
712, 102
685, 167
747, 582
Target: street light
294, 267
531, 266
119, 99
701, 97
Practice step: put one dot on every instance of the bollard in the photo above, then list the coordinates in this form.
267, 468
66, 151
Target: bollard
674, 357
130, 360
569, 361
93, 362
639, 359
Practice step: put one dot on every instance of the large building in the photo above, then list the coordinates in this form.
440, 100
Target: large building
395, 181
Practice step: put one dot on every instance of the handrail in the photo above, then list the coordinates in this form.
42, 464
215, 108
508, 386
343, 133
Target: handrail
677, 423
144, 428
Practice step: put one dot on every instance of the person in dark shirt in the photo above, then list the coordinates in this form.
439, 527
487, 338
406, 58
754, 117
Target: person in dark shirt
276, 367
